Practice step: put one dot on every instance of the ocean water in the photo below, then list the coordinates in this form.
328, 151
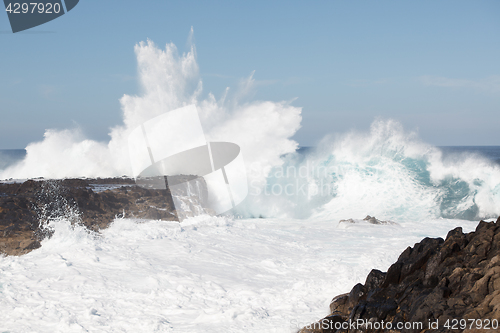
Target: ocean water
206, 275
490, 152
274, 272
271, 265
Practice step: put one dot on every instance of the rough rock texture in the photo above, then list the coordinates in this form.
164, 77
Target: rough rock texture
368, 219
95, 203
436, 281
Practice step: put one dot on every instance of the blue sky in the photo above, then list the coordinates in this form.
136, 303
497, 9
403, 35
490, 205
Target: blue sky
432, 65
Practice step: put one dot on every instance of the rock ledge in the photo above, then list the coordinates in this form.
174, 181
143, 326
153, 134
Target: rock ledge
434, 282
95, 203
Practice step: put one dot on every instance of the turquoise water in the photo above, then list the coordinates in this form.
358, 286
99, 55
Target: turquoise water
458, 183
391, 179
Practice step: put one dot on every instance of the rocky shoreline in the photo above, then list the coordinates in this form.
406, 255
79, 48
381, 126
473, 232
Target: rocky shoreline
450, 285
95, 203
436, 282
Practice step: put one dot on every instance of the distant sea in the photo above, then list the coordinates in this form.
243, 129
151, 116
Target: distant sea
491, 152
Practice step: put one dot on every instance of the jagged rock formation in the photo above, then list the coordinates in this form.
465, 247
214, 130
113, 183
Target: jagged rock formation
94, 203
450, 285
368, 219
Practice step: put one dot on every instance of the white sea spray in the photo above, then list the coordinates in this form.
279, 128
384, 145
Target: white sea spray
212, 274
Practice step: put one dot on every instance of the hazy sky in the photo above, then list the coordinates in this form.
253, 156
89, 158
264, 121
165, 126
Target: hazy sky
432, 65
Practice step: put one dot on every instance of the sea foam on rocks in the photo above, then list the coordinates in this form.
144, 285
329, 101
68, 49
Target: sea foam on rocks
437, 283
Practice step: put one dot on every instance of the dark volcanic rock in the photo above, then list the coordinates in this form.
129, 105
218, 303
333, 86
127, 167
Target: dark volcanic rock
367, 219
436, 281
95, 203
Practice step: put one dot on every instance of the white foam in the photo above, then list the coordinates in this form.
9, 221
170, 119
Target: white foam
204, 275
387, 172
222, 275
168, 81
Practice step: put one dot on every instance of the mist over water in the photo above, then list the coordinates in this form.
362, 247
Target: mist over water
222, 274
168, 81
387, 172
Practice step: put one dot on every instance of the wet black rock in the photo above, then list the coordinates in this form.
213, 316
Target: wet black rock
368, 219
434, 282
95, 203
